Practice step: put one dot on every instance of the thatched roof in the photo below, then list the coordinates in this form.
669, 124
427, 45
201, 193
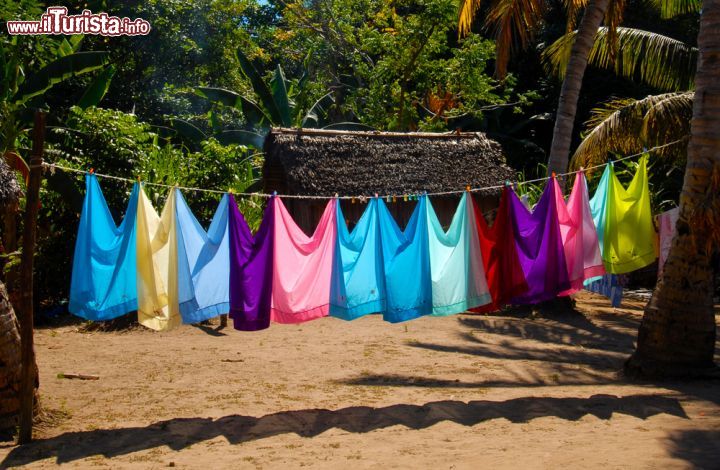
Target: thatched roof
323, 162
10, 191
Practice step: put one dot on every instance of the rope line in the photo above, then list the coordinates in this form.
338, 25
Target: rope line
52, 167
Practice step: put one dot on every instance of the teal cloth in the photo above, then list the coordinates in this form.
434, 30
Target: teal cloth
104, 275
203, 263
406, 262
458, 279
358, 284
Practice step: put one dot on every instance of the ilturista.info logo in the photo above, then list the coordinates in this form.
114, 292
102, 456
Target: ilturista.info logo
56, 20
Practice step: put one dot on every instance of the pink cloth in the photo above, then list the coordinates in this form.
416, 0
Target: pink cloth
579, 236
667, 221
302, 266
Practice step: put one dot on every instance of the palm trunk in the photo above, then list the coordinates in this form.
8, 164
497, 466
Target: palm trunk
677, 333
9, 363
567, 106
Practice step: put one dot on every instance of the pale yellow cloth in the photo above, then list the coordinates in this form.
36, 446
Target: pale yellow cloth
157, 264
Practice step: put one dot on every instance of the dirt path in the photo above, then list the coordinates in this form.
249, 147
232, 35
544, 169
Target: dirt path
444, 393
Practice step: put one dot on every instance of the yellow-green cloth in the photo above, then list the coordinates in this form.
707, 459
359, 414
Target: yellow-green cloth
157, 265
629, 235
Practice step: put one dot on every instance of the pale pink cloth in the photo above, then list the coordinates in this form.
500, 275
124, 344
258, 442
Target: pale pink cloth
302, 266
579, 236
667, 221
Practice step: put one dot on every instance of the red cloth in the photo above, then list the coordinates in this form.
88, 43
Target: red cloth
503, 270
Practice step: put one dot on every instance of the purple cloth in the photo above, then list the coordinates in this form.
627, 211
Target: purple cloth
539, 244
251, 261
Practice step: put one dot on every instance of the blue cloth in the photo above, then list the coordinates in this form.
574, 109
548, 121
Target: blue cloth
608, 285
358, 284
203, 263
104, 275
406, 261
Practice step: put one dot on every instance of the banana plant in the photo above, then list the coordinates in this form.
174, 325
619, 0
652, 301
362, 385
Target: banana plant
275, 106
21, 90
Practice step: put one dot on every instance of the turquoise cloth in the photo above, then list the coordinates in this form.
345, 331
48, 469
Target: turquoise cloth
104, 275
203, 263
406, 264
358, 284
607, 285
458, 277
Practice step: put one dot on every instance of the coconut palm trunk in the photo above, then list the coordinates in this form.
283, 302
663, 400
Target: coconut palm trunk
9, 363
567, 106
678, 331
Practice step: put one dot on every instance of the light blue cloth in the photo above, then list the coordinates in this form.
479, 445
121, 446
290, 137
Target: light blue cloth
203, 263
358, 284
406, 264
607, 285
104, 275
458, 277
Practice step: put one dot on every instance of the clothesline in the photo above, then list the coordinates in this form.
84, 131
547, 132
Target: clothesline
53, 166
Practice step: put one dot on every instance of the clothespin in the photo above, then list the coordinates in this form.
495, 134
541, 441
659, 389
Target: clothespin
352, 200
376, 195
507, 182
274, 193
553, 174
92, 171
405, 198
394, 198
467, 187
337, 195
387, 199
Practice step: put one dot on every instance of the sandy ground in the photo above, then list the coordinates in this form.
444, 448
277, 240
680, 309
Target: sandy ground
442, 393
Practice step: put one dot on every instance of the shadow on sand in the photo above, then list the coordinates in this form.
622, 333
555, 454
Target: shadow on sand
180, 433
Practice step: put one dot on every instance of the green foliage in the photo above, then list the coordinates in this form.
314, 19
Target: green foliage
116, 143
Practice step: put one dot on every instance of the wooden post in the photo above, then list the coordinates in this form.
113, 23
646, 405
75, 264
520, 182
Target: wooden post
32, 205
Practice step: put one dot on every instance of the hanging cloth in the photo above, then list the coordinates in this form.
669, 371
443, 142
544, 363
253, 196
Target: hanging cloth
203, 263
500, 259
607, 285
251, 274
103, 284
157, 263
456, 268
358, 283
579, 237
540, 248
666, 221
406, 263
302, 266
629, 241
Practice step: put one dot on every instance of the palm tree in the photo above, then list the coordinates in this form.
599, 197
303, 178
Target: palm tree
628, 125
515, 21
678, 331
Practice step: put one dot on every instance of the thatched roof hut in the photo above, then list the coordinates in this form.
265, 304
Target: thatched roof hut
10, 191
324, 162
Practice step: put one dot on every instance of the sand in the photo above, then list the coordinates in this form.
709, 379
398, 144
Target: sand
444, 393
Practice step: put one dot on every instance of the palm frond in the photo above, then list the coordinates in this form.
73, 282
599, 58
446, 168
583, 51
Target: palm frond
656, 60
573, 8
613, 19
672, 8
627, 126
513, 24
466, 15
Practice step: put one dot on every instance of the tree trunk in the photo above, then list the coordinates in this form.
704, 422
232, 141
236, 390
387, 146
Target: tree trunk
9, 364
677, 333
567, 106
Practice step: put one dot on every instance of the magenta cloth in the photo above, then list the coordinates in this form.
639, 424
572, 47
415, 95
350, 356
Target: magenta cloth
302, 266
539, 245
579, 237
251, 262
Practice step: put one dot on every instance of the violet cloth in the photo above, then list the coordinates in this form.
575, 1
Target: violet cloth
251, 262
539, 245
